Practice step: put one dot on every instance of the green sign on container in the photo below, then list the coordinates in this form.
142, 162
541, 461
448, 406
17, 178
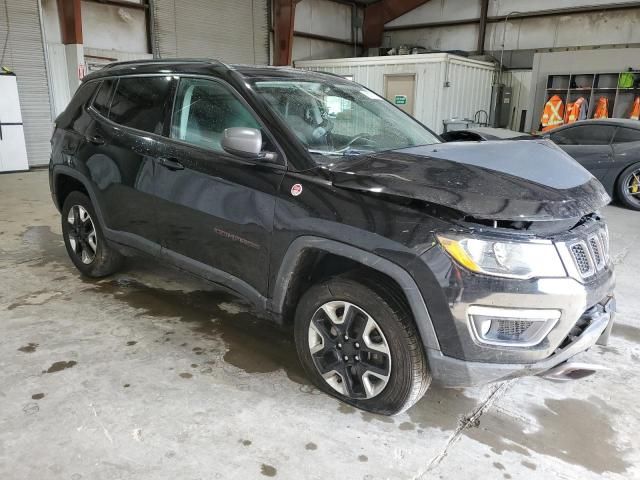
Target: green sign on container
400, 100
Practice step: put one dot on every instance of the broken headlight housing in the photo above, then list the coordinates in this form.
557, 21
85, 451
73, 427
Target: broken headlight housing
503, 258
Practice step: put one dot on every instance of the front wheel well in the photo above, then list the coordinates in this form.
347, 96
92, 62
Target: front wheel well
314, 266
65, 184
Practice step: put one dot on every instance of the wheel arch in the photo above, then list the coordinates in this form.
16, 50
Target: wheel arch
298, 272
67, 180
618, 177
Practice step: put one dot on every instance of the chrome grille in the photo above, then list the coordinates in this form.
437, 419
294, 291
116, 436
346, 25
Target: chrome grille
592, 254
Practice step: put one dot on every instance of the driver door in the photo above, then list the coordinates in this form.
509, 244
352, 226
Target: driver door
215, 210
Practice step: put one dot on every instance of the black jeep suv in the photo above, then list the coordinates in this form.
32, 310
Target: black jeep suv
396, 258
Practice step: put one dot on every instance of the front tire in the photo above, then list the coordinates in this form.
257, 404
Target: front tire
83, 237
628, 187
357, 341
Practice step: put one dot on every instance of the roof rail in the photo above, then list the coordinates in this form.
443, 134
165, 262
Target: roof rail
163, 61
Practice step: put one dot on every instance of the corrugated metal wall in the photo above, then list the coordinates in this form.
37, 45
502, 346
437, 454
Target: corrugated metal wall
520, 82
25, 56
469, 83
235, 32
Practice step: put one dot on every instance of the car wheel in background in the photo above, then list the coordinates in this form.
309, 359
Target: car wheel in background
628, 187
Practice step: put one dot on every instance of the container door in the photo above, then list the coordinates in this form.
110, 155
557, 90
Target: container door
400, 90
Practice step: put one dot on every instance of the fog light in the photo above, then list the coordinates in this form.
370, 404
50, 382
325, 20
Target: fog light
511, 326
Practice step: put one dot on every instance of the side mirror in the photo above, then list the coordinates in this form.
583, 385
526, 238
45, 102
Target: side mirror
243, 142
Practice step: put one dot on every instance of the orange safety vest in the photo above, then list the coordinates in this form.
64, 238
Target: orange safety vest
573, 110
602, 108
553, 113
567, 111
635, 110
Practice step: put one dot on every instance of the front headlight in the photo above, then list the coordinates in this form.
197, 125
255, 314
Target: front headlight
505, 259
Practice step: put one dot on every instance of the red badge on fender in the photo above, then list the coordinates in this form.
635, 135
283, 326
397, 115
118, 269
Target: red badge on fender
296, 189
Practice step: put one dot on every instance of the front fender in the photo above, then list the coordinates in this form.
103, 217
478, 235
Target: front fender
405, 281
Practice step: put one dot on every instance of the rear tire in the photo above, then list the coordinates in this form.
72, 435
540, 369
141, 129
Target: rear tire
83, 237
376, 321
628, 187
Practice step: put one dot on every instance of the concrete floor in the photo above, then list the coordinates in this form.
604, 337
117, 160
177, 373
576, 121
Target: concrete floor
152, 374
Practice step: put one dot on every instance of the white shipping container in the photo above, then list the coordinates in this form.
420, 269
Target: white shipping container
446, 86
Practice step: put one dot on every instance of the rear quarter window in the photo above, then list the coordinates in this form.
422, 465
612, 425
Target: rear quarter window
626, 135
102, 100
141, 103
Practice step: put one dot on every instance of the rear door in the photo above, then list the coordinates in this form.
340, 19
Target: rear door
215, 210
589, 144
129, 118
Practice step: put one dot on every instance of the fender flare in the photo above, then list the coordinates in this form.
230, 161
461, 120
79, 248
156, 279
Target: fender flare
65, 170
371, 260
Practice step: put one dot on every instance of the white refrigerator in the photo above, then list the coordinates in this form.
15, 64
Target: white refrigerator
13, 151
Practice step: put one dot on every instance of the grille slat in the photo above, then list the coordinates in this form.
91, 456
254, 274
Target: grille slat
592, 254
581, 257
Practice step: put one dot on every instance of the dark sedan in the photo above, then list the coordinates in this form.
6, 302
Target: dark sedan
610, 150
481, 134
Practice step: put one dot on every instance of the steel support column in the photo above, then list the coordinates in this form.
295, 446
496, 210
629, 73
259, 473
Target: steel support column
70, 17
284, 13
379, 13
484, 8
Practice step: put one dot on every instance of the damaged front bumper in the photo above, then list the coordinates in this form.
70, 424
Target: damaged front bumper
598, 320
493, 328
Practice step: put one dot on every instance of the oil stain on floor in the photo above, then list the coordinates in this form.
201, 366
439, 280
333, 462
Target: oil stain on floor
59, 366
28, 348
565, 432
253, 345
268, 470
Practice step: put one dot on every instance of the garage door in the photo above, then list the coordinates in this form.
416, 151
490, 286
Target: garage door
234, 32
24, 55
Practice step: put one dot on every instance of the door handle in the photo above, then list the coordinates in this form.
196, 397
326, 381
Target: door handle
95, 139
171, 163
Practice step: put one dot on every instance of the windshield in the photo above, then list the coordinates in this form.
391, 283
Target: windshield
341, 119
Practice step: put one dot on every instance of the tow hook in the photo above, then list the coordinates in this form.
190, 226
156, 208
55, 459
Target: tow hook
572, 371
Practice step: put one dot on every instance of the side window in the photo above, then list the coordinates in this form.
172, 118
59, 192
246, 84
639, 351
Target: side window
584, 135
102, 100
564, 137
626, 135
204, 109
141, 102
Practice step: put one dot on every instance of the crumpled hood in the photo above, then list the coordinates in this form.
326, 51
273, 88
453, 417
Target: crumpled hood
503, 180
